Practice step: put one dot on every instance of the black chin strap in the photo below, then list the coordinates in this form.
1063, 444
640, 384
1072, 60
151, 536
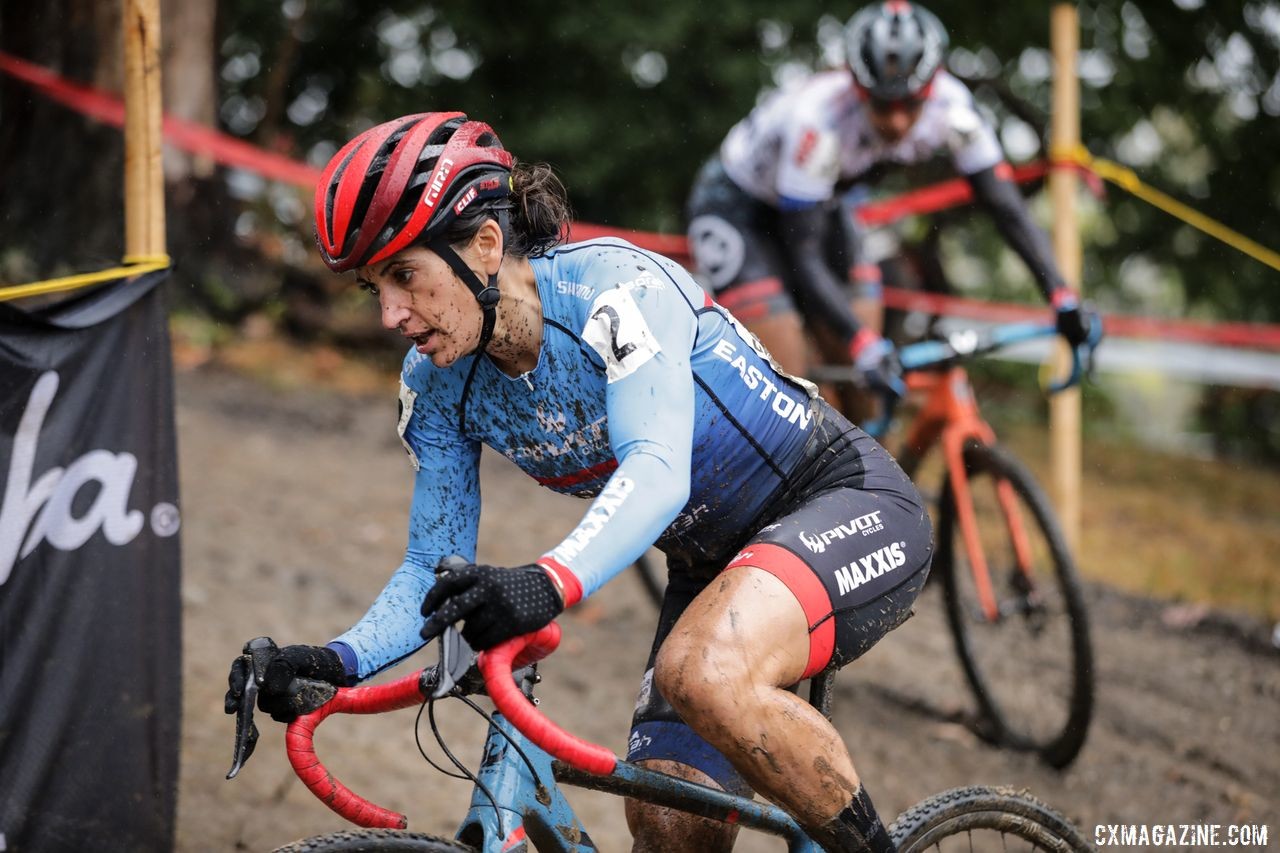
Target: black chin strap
487, 296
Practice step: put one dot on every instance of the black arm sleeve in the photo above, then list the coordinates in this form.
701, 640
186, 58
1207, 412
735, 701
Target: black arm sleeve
1002, 200
820, 292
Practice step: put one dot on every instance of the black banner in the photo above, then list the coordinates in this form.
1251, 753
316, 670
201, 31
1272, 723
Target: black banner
90, 618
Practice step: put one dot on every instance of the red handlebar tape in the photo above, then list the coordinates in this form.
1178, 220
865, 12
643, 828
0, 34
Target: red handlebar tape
403, 693
496, 665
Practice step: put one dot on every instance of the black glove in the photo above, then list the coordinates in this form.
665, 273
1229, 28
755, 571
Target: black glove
877, 360
274, 697
1073, 320
496, 603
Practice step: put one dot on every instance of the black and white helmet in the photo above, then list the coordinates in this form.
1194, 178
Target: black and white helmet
894, 49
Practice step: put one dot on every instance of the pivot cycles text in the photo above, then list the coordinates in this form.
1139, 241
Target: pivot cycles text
1012, 594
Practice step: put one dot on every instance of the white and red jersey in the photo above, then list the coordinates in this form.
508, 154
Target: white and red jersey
802, 143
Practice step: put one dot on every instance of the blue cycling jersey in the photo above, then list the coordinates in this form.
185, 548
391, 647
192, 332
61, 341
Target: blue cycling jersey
646, 396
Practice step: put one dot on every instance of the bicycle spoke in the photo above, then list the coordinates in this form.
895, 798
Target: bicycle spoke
1029, 665
1026, 651
972, 818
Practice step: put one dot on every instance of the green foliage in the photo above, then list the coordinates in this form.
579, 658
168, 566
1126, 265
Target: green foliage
1244, 423
627, 100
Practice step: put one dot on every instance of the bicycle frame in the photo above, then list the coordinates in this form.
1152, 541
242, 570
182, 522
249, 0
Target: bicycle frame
949, 417
525, 807
512, 800
530, 809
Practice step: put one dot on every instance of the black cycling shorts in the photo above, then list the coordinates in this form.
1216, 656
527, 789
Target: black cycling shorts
855, 559
736, 243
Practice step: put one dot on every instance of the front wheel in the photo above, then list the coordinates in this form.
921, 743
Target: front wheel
1029, 662
953, 820
375, 841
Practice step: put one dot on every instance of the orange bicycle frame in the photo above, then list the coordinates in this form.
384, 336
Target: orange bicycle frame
949, 415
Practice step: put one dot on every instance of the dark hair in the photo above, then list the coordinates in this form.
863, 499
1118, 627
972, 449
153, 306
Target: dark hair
539, 213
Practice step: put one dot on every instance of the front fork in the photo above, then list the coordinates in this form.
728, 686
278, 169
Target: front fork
953, 445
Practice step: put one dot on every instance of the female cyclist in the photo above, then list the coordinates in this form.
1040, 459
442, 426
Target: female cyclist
794, 542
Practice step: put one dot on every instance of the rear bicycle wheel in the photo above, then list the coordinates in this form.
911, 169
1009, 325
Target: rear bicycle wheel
375, 841
1031, 666
981, 818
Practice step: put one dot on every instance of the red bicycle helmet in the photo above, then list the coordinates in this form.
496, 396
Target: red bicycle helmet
404, 182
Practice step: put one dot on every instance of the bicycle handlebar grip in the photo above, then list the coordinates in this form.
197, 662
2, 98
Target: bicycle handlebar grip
299, 746
536, 646
496, 665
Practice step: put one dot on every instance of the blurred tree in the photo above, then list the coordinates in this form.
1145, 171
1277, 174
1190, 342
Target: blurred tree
1187, 93
62, 175
59, 171
627, 101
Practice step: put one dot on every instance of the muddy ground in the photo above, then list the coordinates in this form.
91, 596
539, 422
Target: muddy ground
295, 507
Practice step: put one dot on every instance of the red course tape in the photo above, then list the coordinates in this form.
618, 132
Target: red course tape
229, 151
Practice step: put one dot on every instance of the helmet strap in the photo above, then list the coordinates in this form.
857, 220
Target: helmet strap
487, 295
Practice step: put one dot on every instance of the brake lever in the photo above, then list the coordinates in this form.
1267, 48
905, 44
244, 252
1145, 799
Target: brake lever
456, 659
458, 673
257, 653
1082, 358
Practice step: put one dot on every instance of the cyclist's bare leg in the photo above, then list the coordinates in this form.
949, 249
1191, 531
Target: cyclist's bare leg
725, 667
783, 336
658, 829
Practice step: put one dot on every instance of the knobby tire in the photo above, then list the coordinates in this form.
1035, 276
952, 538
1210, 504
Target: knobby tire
1061, 747
375, 841
962, 812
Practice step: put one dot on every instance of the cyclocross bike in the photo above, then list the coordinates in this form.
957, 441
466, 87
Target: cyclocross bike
517, 802
1013, 597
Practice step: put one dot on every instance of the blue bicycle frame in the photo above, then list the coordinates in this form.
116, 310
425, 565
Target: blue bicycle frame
529, 809
516, 796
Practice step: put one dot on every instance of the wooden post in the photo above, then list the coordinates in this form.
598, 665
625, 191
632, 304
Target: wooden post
1064, 409
144, 232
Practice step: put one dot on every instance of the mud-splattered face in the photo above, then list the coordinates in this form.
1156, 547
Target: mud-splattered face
424, 301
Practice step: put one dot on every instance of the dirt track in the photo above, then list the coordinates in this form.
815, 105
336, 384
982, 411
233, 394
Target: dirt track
295, 507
